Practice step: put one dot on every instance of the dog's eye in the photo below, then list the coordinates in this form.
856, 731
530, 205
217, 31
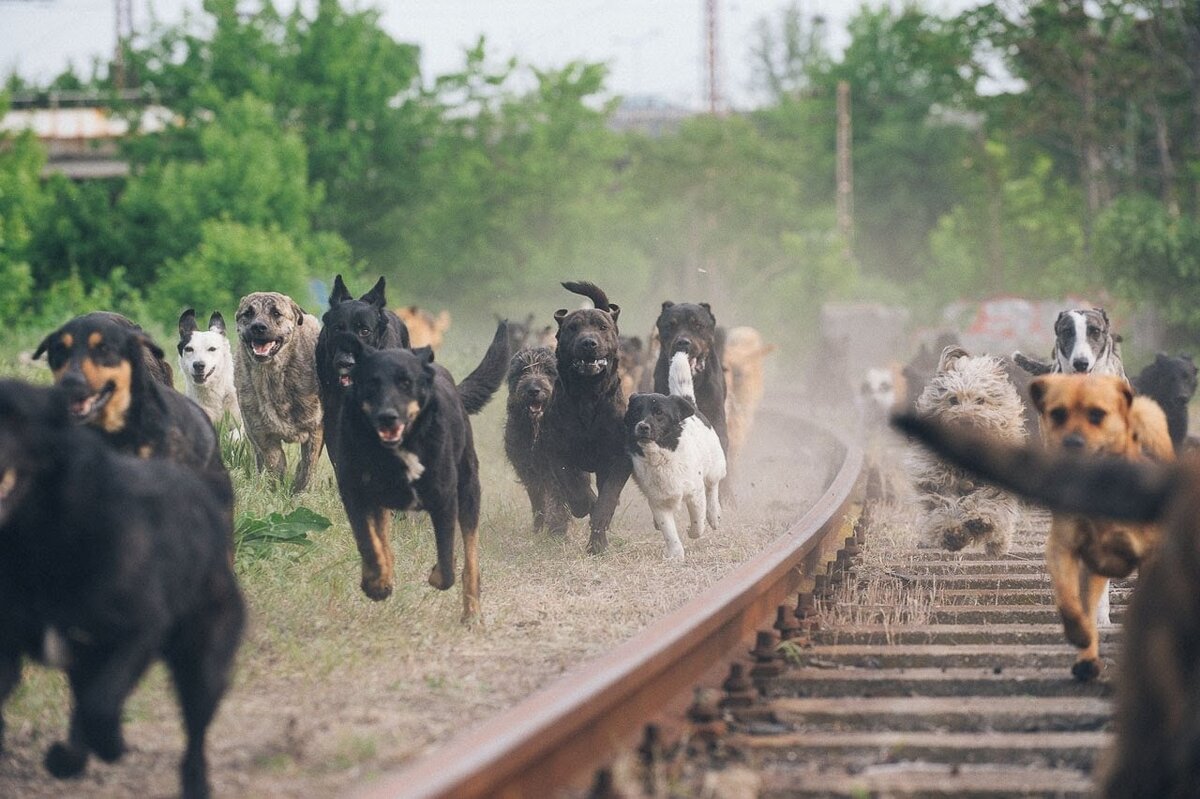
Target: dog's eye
1058, 415
953, 400
1093, 331
1096, 415
188, 349
212, 349
364, 332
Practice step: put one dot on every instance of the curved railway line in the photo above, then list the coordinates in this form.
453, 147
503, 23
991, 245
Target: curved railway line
839, 662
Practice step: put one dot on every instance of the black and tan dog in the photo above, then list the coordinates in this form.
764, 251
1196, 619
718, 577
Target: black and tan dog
369, 320
107, 367
692, 328
404, 442
583, 428
532, 374
107, 563
1090, 415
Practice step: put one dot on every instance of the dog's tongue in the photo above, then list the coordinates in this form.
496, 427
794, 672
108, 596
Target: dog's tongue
344, 381
390, 435
264, 348
82, 407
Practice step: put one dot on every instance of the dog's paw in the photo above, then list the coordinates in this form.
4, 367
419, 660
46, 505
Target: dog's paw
674, 553
597, 543
63, 762
996, 549
1086, 670
695, 530
376, 588
438, 581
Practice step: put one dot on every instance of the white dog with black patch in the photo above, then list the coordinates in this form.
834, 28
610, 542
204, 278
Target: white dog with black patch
677, 456
1083, 344
206, 360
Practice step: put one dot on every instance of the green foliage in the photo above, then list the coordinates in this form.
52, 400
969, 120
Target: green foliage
22, 202
257, 538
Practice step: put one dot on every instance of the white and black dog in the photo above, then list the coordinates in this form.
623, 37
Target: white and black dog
1083, 344
677, 457
207, 363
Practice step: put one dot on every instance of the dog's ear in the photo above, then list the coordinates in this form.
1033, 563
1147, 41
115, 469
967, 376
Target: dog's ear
1103, 315
1037, 392
615, 310
425, 354
667, 304
139, 340
1126, 391
340, 293
684, 406
708, 308
560, 315
950, 356
298, 312
45, 345
216, 322
187, 323
377, 295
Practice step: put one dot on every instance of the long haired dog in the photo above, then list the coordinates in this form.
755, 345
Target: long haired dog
532, 373
1158, 683
425, 329
405, 443
583, 430
110, 371
107, 563
970, 392
1171, 382
276, 376
742, 359
206, 361
1083, 344
367, 319
676, 455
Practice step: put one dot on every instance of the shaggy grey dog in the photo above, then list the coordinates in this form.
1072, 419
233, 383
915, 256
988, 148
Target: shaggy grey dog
973, 392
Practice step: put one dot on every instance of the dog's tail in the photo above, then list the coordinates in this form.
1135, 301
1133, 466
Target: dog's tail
679, 379
477, 388
1032, 365
1116, 488
591, 291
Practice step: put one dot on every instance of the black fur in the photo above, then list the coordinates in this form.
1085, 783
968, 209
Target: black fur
1171, 382
656, 418
126, 561
159, 421
404, 409
532, 374
369, 320
692, 328
583, 430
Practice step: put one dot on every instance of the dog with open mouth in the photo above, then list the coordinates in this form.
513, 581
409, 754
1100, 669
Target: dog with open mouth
404, 442
366, 318
276, 377
583, 426
532, 373
692, 328
206, 360
104, 366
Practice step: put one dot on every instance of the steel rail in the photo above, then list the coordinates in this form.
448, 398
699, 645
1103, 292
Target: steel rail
547, 741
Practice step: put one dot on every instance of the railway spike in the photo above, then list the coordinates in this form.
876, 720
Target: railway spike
785, 623
739, 691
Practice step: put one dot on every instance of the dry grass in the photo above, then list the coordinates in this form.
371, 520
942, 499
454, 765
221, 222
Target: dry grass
331, 688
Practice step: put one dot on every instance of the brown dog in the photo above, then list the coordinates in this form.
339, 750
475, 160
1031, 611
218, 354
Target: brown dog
1095, 415
742, 360
424, 329
276, 376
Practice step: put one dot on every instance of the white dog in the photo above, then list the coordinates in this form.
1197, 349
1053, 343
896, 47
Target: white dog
677, 457
207, 363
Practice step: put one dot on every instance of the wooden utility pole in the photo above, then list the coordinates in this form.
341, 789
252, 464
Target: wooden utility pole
712, 58
124, 34
845, 170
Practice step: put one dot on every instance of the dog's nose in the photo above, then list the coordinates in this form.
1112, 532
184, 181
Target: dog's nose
1080, 365
533, 393
387, 418
1073, 442
258, 328
73, 382
683, 344
641, 428
198, 366
589, 344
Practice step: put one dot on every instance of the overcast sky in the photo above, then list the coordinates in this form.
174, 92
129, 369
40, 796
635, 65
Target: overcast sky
652, 47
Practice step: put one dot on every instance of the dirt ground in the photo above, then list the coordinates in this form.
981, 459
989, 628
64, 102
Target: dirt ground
331, 688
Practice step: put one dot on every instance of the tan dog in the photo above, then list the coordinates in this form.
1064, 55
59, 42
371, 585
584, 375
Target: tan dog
742, 360
1095, 415
424, 329
276, 376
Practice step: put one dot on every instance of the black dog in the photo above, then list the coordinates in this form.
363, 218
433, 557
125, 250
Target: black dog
404, 442
691, 328
532, 374
1171, 382
108, 562
369, 320
583, 428
103, 366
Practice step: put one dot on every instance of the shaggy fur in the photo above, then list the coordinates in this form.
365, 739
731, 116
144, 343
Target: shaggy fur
742, 359
677, 457
970, 392
276, 378
424, 329
405, 443
923, 366
582, 430
532, 374
206, 361
1171, 382
107, 563
104, 364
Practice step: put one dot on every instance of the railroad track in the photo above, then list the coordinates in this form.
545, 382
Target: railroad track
839, 663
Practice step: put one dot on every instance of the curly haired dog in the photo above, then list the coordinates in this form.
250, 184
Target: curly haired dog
975, 393
532, 373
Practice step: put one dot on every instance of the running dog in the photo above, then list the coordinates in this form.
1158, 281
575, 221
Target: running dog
104, 364
677, 457
206, 361
404, 442
373, 324
532, 374
276, 378
692, 328
107, 563
583, 426
1171, 382
742, 360
1083, 344
425, 329
631, 364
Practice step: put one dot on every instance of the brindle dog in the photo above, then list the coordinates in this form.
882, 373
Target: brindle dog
583, 428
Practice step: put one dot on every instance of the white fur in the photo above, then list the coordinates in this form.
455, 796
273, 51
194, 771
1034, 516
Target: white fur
413, 464
689, 475
217, 394
1106, 362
